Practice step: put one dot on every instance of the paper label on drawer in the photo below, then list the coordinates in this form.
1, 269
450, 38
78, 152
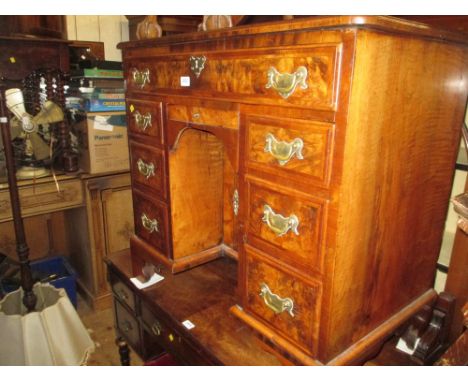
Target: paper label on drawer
184, 81
188, 324
145, 284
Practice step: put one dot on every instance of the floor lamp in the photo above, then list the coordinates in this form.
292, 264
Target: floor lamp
38, 323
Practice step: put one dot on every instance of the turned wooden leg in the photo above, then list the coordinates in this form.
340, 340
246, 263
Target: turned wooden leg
124, 351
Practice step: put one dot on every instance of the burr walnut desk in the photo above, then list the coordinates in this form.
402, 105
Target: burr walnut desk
318, 152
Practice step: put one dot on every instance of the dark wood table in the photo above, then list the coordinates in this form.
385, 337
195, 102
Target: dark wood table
151, 319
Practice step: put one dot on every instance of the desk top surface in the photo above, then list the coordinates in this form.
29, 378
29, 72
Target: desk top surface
204, 296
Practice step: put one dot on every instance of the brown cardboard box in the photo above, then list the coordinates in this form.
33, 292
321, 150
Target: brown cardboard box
104, 142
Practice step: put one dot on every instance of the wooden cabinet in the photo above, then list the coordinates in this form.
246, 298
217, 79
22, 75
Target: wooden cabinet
320, 152
102, 227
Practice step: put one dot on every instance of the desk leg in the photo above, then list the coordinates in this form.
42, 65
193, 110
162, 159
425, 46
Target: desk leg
124, 351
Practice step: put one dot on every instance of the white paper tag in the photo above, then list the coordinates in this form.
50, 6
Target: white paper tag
188, 324
184, 81
402, 346
153, 280
100, 123
3, 119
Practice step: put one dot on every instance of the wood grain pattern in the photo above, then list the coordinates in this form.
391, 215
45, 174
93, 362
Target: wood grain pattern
202, 295
246, 76
43, 197
204, 116
380, 122
401, 151
317, 153
303, 327
153, 133
155, 183
154, 210
303, 251
196, 171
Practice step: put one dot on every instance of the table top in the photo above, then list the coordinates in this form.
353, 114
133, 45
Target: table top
204, 296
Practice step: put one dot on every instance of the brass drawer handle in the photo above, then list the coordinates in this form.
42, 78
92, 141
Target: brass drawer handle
197, 64
145, 169
141, 77
127, 326
279, 224
283, 151
151, 225
142, 121
156, 328
286, 83
275, 302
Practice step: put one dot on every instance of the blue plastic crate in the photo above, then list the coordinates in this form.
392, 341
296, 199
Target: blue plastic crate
65, 274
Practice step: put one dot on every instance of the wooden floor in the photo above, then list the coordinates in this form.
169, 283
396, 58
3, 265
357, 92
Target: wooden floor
100, 325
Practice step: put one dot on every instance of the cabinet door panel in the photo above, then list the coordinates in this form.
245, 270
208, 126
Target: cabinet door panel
118, 219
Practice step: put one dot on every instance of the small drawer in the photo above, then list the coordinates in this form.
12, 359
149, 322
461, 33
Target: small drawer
305, 77
151, 221
294, 149
148, 167
127, 325
43, 198
144, 119
285, 302
169, 339
204, 116
287, 225
122, 292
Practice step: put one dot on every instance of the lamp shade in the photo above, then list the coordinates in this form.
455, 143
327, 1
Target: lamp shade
52, 334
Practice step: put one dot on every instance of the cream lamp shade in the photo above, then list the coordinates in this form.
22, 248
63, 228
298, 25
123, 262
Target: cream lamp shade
52, 334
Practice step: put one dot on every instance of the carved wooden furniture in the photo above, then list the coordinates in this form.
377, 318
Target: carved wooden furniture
151, 321
319, 152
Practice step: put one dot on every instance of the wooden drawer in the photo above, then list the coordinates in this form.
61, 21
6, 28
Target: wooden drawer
293, 149
144, 119
246, 74
43, 198
122, 292
148, 168
204, 116
170, 339
285, 224
151, 221
127, 325
268, 288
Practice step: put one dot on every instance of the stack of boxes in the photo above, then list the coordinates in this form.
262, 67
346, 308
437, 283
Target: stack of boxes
96, 101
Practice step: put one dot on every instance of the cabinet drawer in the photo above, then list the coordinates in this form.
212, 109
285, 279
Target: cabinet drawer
293, 149
204, 116
145, 119
148, 168
283, 301
43, 198
303, 77
169, 339
127, 325
122, 292
288, 226
151, 221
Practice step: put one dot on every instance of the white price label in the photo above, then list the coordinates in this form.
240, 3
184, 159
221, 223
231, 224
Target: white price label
188, 324
184, 81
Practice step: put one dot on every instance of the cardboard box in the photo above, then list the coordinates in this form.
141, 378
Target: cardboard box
103, 142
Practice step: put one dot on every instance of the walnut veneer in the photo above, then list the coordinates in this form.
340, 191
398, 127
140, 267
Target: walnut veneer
337, 233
